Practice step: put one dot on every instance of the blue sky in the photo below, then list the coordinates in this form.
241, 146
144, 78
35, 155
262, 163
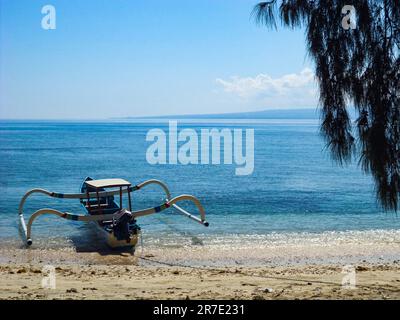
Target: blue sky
119, 58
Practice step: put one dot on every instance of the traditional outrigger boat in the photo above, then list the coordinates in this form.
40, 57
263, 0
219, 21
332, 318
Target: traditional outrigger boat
116, 222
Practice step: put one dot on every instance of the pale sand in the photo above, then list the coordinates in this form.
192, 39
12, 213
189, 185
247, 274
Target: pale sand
284, 271
19, 281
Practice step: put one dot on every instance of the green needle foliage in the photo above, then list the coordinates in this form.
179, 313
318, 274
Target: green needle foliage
357, 67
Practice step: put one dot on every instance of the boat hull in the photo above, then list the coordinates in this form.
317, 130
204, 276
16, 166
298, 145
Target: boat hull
106, 232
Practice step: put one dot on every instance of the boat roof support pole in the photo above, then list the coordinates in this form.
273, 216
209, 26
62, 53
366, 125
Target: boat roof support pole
130, 200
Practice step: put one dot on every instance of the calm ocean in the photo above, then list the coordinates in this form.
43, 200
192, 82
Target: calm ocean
295, 187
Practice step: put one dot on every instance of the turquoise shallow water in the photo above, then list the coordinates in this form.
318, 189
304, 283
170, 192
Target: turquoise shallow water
295, 187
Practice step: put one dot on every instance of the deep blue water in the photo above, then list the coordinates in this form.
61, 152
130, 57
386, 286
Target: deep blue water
295, 186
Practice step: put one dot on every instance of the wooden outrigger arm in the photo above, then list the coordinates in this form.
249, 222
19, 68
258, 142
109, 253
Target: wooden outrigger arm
26, 228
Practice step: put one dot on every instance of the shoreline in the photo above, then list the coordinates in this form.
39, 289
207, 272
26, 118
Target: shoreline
271, 250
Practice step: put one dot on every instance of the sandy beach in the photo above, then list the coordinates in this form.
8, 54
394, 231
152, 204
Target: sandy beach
132, 282
308, 270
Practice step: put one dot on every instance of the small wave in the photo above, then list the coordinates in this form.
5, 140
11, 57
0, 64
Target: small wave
275, 239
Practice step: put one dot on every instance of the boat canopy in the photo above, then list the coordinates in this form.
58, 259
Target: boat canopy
108, 183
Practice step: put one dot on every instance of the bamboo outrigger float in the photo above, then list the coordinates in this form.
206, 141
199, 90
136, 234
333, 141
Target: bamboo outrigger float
117, 223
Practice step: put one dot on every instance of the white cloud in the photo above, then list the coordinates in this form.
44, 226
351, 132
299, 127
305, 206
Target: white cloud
288, 91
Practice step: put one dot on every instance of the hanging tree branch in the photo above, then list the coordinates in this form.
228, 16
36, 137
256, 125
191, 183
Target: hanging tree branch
357, 68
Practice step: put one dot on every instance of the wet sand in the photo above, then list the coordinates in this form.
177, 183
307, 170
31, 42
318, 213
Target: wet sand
287, 250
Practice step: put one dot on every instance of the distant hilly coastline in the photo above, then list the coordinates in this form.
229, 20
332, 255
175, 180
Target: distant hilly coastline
265, 114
